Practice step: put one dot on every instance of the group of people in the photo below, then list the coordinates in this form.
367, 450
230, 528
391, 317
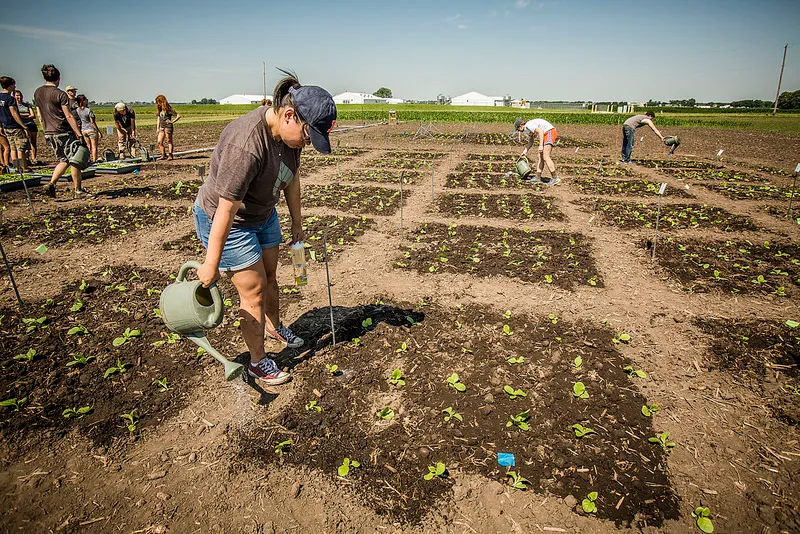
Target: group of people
547, 135
66, 117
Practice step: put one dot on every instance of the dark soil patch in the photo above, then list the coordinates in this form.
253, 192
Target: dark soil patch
782, 211
187, 243
360, 199
382, 175
726, 175
731, 266
491, 166
673, 216
618, 462
179, 190
389, 162
517, 207
677, 164
607, 171
486, 180
550, 257
342, 232
739, 191
87, 224
404, 154
639, 188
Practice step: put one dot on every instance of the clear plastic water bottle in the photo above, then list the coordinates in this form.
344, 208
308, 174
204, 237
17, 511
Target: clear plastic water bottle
299, 263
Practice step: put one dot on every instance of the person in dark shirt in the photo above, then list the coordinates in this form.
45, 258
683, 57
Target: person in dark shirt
12, 124
26, 111
125, 121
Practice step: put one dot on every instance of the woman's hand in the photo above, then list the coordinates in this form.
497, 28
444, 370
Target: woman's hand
297, 232
208, 273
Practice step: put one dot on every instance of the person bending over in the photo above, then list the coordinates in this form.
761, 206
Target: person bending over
548, 136
629, 128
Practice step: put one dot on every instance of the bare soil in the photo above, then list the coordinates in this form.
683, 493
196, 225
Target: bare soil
510, 295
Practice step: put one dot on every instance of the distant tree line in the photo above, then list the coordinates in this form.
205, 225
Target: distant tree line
789, 100
205, 101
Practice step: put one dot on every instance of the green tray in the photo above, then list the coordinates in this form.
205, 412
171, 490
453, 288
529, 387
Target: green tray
8, 184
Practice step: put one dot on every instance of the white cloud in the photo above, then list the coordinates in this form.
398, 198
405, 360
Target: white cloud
59, 37
456, 21
522, 4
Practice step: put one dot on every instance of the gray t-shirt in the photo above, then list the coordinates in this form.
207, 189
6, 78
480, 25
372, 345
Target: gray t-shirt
86, 115
248, 165
636, 121
49, 99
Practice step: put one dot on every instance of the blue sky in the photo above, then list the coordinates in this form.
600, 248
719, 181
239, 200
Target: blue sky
538, 50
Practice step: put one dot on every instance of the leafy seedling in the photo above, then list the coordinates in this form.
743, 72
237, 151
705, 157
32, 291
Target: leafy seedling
622, 338
14, 403
582, 431
127, 335
437, 470
450, 413
78, 306
132, 419
397, 378
77, 413
118, 368
332, 369
792, 324
403, 348
507, 330
507, 314
347, 463
512, 360
517, 481
514, 394
79, 359
27, 357
77, 330
171, 339
34, 324
366, 323
578, 362
648, 410
663, 440
702, 516
588, 504
282, 447
455, 382
520, 421
162, 384
313, 406
386, 413
634, 372
553, 318
579, 390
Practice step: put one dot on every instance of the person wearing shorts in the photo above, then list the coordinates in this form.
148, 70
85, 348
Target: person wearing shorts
89, 129
12, 124
257, 157
59, 126
548, 137
167, 117
125, 121
29, 119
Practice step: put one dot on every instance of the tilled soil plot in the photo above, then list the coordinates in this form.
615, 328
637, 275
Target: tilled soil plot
487, 180
509, 368
518, 207
381, 176
635, 188
738, 191
356, 199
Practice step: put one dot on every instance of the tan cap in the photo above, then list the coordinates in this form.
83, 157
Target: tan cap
71, 88
120, 106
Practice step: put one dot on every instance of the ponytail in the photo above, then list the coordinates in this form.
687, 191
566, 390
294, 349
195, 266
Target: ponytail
281, 96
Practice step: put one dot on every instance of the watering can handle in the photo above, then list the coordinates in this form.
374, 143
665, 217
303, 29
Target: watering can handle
216, 295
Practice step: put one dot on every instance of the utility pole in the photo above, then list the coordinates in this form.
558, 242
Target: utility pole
264, 63
780, 79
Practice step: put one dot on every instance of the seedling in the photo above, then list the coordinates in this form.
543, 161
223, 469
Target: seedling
634, 372
622, 338
410, 320
588, 504
647, 411
171, 339
78, 306
366, 323
313, 406
520, 421
332, 369
437, 470
77, 330
663, 440
582, 431
548, 279
403, 348
34, 324
507, 330
553, 318
578, 362
282, 447
514, 394
507, 314
455, 382
162, 384
14, 403
27, 357
792, 324
512, 360
397, 378
79, 359
517, 481
83, 285
579, 390
702, 516
119, 368
450, 413
132, 419
127, 335
152, 291
77, 413
347, 463
355, 342
386, 413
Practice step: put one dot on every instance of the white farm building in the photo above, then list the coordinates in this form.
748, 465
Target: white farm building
364, 98
476, 99
243, 99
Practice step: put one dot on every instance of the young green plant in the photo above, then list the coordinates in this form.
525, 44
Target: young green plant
438, 470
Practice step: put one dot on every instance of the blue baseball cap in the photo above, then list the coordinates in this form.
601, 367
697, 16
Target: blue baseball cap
316, 106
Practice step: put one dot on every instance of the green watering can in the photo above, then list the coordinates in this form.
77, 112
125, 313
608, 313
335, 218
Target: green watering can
189, 308
523, 167
78, 155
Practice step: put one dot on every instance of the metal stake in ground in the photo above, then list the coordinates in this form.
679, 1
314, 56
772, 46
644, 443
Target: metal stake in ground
433, 172
402, 177
11, 276
17, 163
794, 183
658, 217
152, 155
328, 275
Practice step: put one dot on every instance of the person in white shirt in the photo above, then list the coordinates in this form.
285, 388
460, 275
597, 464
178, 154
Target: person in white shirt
548, 136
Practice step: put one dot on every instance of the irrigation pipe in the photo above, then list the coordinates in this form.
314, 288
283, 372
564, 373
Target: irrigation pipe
328, 275
11, 276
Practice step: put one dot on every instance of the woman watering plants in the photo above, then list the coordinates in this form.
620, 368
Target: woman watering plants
166, 118
548, 136
257, 157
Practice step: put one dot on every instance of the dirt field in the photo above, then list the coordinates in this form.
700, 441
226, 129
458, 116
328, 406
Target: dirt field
544, 301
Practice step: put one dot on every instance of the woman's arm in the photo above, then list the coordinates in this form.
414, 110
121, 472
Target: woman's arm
531, 139
220, 228
292, 194
177, 116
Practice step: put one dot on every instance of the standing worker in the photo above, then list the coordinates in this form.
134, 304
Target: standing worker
29, 119
257, 157
89, 129
72, 93
548, 135
166, 118
629, 128
60, 128
14, 128
125, 121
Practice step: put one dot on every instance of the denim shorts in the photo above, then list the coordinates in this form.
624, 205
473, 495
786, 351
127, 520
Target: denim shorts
245, 243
